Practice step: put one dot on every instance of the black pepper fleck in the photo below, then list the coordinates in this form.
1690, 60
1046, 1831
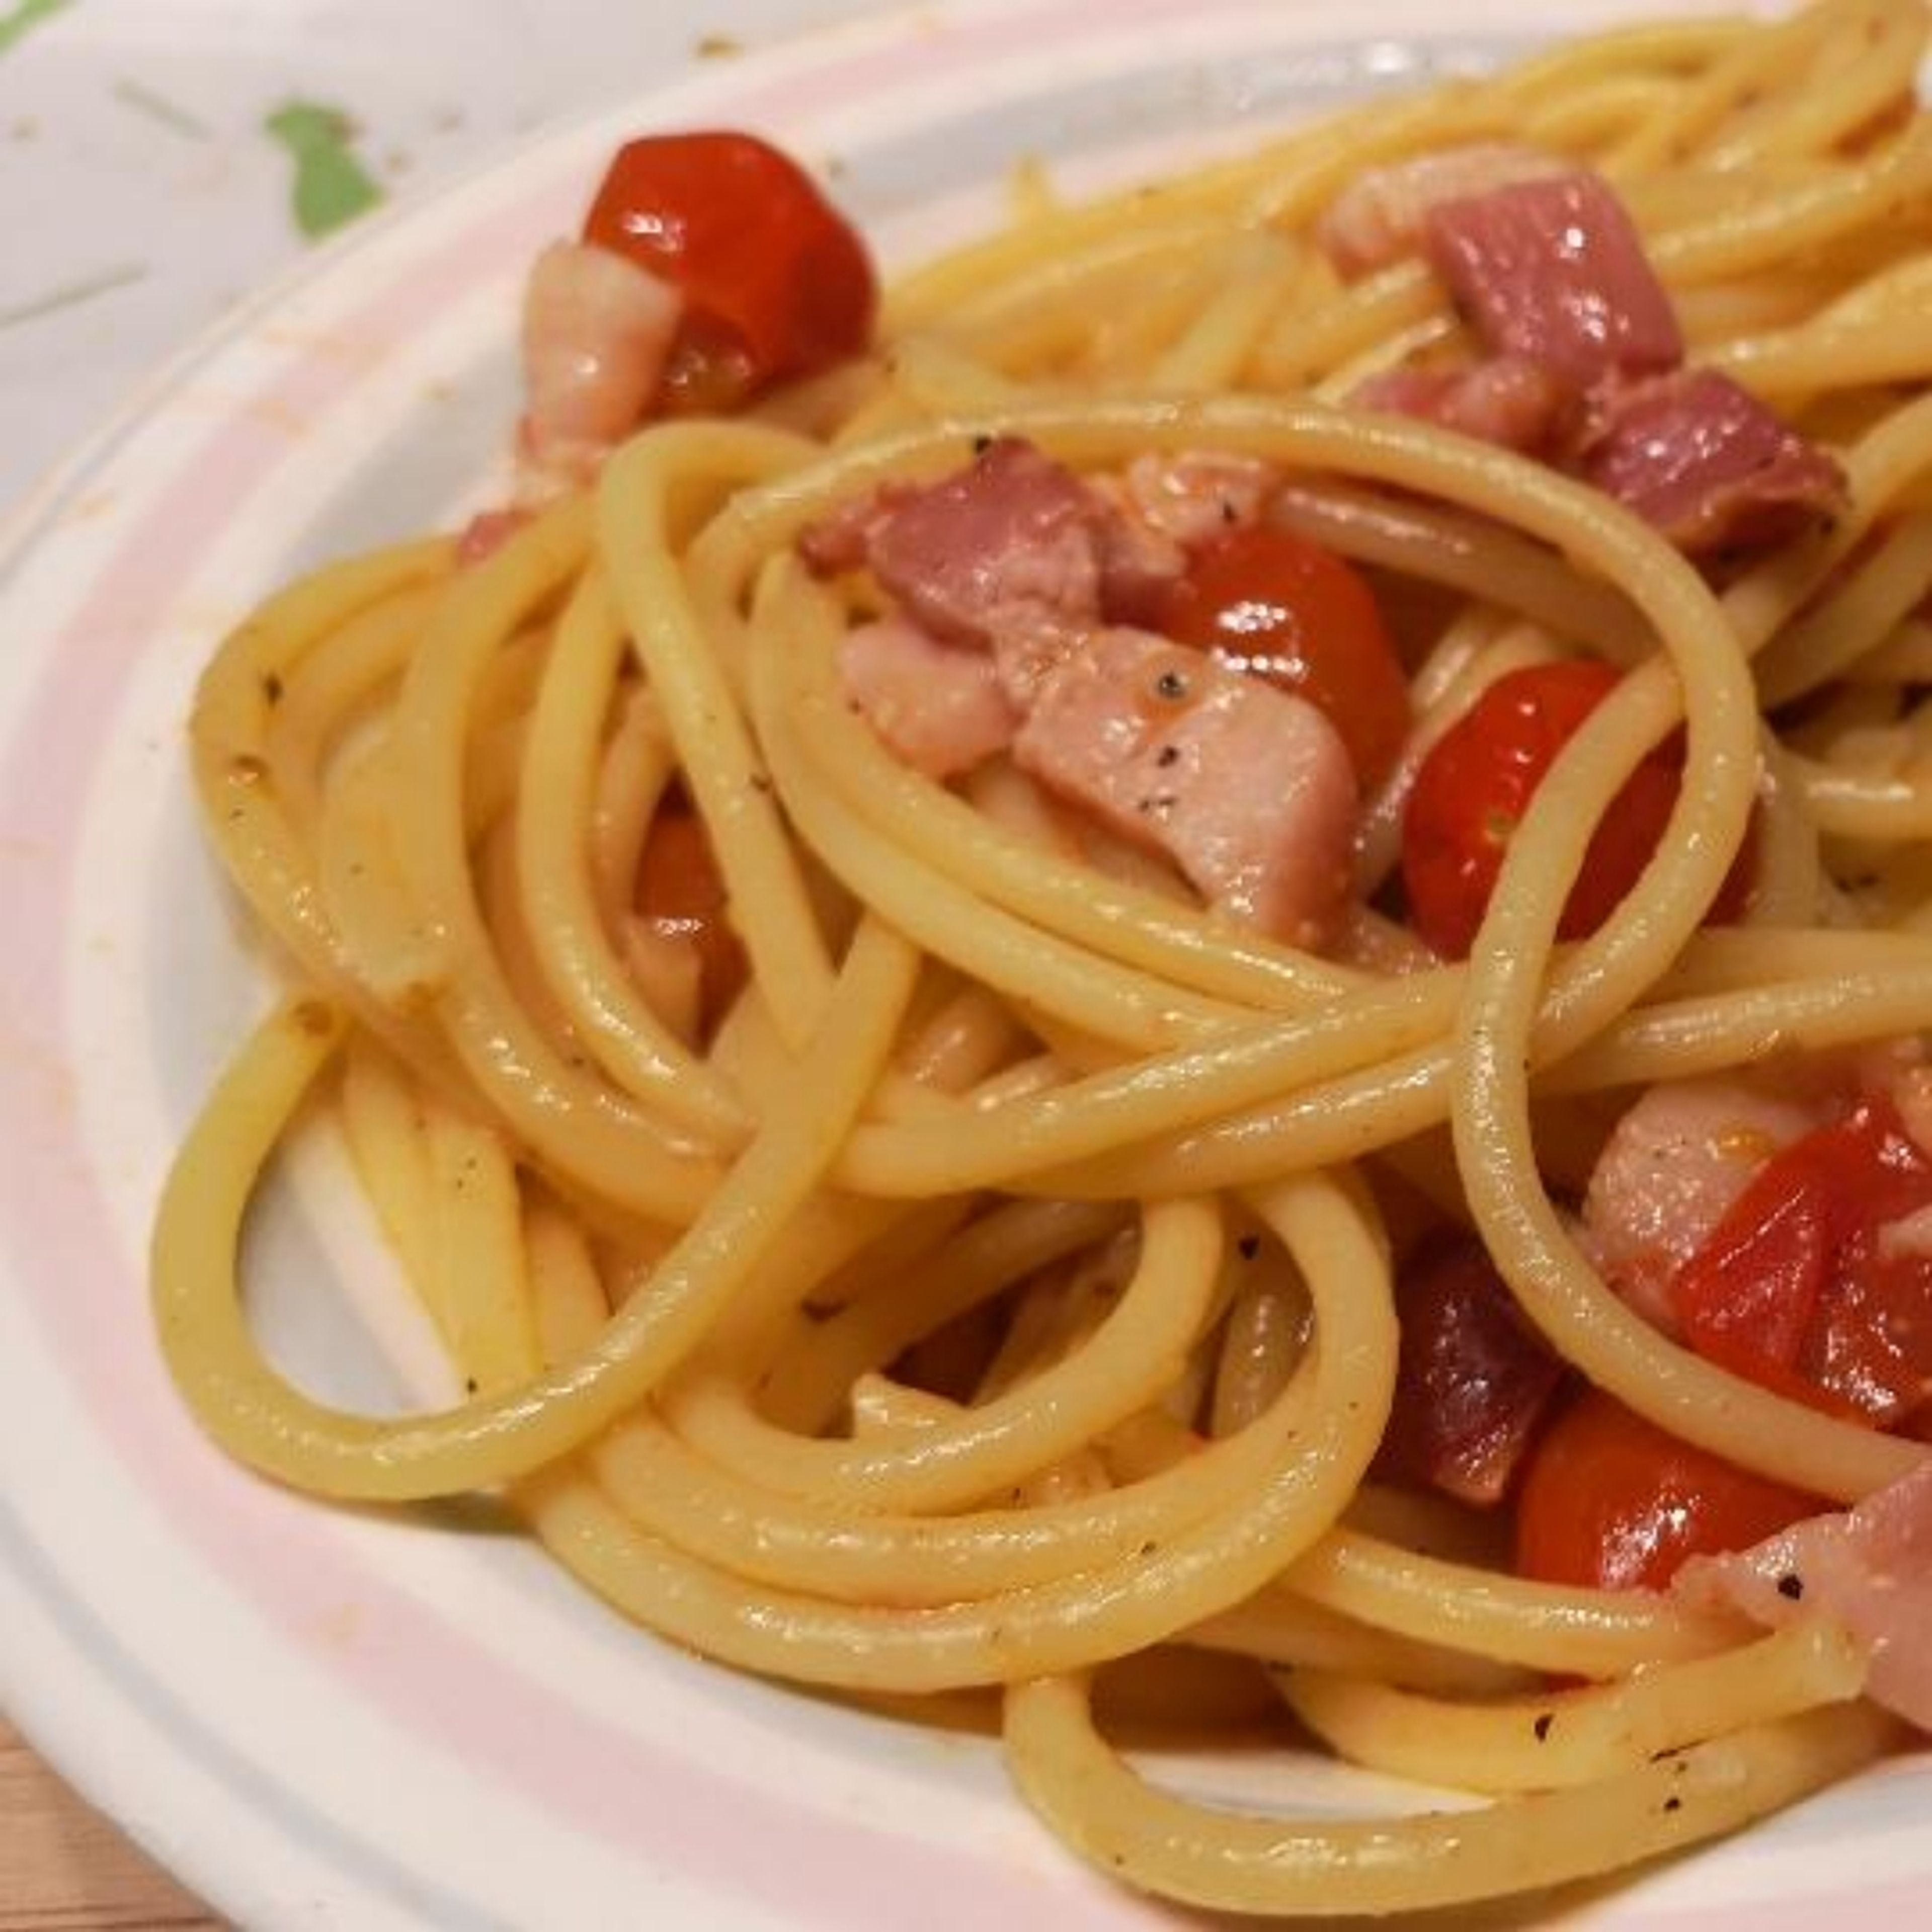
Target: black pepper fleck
1167, 756
1170, 684
1673, 1804
982, 443
314, 1018
1791, 1585
1542, 1724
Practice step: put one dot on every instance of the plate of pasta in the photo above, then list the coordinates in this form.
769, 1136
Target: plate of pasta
986, 982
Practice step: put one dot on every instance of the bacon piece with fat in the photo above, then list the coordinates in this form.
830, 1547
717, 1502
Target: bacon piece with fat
1015, 547
1379, 217
1553, 270
1007, 543
1869, 1569
1700, 457
1671, 1170
1508, 401
939, 707
1249, 790
1474, 1378
596, 331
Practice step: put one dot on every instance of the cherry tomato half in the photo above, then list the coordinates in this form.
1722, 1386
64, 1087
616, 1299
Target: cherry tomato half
680, 895
1270, 603
1611, 1502
777, 283
1798, 1289
1476, 783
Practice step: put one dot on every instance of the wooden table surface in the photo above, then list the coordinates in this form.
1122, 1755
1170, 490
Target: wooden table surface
64, 1868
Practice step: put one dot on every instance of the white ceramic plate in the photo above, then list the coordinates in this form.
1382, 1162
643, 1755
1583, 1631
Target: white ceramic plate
325, 1718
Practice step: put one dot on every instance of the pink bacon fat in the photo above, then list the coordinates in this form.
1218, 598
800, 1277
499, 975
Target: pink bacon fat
487, 532
1189, 497
1553, 270
596, 330
1868, 1569
1508, 401
938, 706
1379, 218
1250, 791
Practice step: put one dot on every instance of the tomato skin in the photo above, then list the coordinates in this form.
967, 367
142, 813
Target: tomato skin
1795, 1288
1268, 602
681, 896
1611, 1502
777, 283
1477, 781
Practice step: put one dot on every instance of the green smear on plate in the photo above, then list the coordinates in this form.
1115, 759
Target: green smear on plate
331, 187
25, 15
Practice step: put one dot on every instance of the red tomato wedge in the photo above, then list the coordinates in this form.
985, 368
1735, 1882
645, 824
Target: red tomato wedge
1268, 602
681, 896
1475, 785
1798, 1288
1611, 1502
777, 283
